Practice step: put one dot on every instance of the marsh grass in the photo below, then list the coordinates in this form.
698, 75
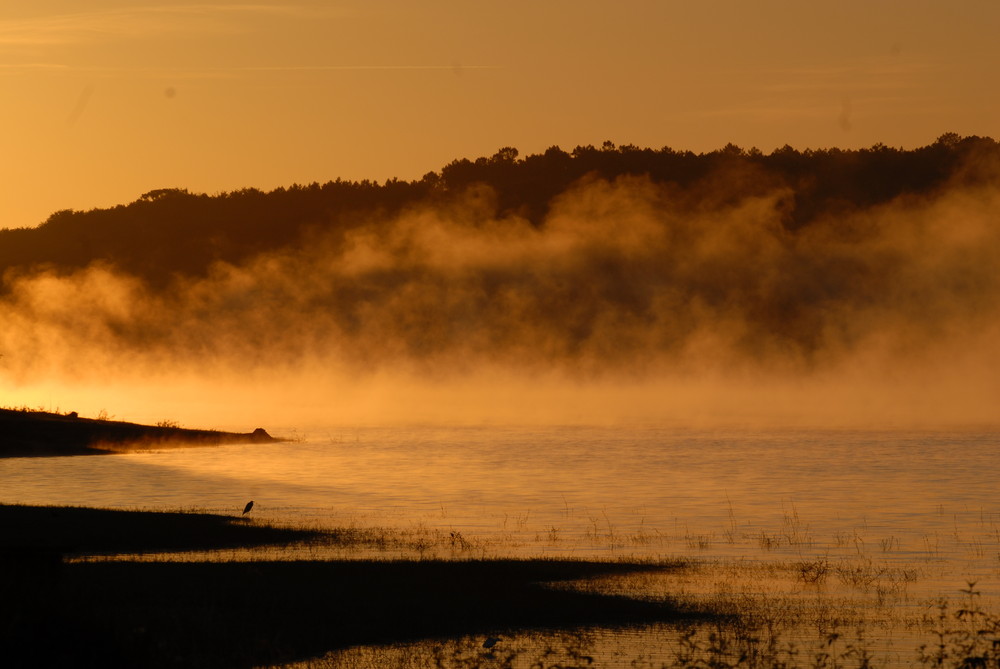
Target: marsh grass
813, 572
856, 599
242, 614
965, 636
530, 649
73, 610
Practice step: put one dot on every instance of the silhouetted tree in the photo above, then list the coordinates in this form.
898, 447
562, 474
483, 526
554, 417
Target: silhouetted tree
170, 232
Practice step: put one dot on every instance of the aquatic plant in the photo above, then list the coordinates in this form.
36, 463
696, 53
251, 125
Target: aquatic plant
966, 637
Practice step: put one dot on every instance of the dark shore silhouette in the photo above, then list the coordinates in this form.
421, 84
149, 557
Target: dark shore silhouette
41, 433
55, 612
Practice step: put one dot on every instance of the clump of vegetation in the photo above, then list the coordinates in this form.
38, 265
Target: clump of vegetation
721, 647
965, 637
813, 571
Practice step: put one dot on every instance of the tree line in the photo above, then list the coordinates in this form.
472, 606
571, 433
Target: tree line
170, 233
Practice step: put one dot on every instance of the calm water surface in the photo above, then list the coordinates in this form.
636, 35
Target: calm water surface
921, 504
908, 486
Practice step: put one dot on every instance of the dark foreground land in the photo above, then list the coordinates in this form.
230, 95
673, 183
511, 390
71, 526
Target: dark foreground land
244, 614
40, 433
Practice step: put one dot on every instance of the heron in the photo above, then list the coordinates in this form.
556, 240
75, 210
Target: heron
247, 508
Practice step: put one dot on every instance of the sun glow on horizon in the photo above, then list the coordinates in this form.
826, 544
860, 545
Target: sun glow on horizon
617, 298
118, 99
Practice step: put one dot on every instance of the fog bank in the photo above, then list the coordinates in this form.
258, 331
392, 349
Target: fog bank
632, 301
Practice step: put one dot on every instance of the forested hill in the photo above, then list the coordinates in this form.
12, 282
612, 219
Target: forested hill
172, 233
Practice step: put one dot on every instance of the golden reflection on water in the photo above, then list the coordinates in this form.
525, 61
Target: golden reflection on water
810, 533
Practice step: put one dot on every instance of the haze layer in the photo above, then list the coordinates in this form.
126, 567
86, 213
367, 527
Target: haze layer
846, 287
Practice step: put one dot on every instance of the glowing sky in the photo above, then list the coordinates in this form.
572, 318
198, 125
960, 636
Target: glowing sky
104, 100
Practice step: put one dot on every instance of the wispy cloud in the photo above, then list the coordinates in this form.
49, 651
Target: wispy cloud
36, 40
8, 68
138, 22
212, 72
873, 85
320, 68
861, 76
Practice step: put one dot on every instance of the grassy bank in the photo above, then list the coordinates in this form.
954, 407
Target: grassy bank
59, 532
42, 433
62, 604
244, 614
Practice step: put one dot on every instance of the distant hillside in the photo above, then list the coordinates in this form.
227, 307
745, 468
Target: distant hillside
171, 233
601, 261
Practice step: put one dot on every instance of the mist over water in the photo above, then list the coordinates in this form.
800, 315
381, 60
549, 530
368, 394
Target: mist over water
681, 329
632, 300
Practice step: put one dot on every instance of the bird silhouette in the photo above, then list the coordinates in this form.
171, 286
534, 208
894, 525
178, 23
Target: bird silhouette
247, 508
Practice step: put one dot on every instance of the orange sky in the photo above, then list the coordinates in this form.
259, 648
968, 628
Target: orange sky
107, 99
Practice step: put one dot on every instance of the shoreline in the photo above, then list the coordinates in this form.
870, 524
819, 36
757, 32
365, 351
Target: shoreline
44, 434
264, 612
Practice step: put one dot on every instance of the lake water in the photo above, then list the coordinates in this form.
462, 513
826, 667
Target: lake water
920, 509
